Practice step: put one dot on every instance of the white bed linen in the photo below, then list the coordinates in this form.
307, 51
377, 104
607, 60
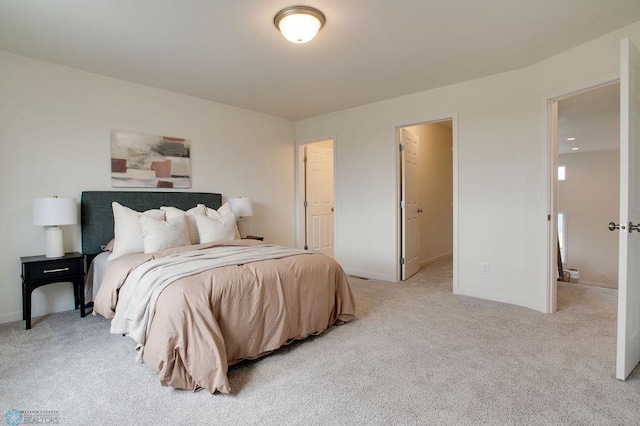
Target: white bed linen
94, 276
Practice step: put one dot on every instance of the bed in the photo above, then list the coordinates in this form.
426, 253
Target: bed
196, 309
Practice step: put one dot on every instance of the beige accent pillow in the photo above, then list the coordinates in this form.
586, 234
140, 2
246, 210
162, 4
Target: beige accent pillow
126, 227
212, 230
159, 235
172, 212
224, 211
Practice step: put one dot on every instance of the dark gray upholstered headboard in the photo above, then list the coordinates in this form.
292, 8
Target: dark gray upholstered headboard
96, 213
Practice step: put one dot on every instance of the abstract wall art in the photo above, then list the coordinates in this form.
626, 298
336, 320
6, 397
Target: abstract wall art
149, 161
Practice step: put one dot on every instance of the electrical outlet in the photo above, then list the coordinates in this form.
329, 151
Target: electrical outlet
484, 267
535, 192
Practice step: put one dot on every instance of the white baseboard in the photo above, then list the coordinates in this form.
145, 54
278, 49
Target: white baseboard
370, 275
440, 258
37, 311
14, 316
499, 298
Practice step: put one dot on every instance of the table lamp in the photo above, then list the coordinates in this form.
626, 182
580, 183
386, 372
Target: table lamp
241, 206
52, 213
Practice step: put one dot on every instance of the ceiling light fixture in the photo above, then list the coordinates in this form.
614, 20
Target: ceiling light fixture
299, 24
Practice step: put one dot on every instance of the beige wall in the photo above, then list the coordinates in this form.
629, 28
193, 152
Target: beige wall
436, 191
55, 122
502, 170
590, 198
54, 132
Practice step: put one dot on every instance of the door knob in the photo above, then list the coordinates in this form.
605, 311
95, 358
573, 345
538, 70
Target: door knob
613, 226
633, 227
420, 211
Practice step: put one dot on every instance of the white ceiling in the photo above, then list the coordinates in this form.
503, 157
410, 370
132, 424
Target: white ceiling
369, 50
592, 118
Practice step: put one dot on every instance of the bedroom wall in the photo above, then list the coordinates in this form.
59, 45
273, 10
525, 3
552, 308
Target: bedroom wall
503, 175
436, 191
590, 199
54, 131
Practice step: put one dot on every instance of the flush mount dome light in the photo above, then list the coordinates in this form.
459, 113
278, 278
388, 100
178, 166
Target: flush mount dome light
299, 24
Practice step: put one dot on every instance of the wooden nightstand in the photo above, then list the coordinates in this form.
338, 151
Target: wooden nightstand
40, 270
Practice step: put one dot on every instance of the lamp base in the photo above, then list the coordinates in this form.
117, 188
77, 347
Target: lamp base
55, 246
243, 227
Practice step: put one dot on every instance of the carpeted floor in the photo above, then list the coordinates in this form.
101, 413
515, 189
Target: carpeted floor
416, 355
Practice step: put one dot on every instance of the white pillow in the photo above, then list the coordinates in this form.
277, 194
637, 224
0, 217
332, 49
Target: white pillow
212, 230
224, 211
171, 212
126, 227
159, 235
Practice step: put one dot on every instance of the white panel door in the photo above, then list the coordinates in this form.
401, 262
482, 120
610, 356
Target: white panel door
628, 350
410, 222
319, 194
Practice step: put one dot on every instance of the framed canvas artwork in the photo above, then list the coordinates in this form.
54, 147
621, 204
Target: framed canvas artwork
149, 161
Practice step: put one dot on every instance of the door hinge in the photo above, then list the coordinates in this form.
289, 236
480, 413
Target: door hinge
549, 217
402, 260
401, 147
402, 204
306, 204
304, 160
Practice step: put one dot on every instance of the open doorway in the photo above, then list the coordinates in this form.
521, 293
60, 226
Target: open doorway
427, 195
317, 195
628, 317
587, 185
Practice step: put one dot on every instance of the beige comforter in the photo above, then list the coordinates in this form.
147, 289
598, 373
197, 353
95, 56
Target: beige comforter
207, 321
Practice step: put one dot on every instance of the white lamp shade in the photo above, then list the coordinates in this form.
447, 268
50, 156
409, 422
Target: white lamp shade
55, 211
241, 206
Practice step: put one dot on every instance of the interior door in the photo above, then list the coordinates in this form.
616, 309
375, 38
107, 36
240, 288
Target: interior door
628, 347
319, 197
409, 206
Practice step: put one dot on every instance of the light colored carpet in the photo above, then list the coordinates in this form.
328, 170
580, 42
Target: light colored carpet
416, 355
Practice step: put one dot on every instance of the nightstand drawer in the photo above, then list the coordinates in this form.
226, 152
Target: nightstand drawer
53, 269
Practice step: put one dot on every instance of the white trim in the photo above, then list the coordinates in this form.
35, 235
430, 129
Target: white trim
453, 117
299, 196
500, 298
550, 175
455, 253
38, 311
366, 274
327, 137
397, 217
12, 317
